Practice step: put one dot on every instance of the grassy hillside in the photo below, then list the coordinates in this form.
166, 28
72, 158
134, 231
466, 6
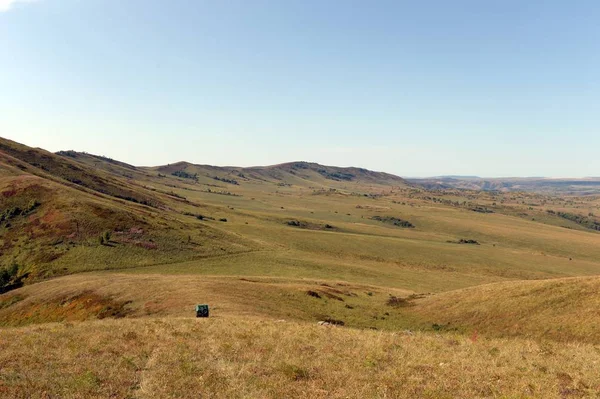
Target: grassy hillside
55, 212
292, 220
564, 310
91, 296
482, 280
561, 310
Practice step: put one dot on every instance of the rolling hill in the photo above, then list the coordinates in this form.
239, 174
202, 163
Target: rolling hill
427, 289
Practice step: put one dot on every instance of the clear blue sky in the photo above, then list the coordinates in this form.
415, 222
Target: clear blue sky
415, 88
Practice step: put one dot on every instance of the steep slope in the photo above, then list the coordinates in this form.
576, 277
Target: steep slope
114, 167
63, 170
58, 215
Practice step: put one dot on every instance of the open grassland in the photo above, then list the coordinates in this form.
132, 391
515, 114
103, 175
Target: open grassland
472, 294
233, 357
293, 220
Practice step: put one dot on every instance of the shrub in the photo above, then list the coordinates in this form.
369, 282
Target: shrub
481, 209
463, 241
185, 175
334, 321
398, 302
314, 294
225, 180
393, 220
8, 275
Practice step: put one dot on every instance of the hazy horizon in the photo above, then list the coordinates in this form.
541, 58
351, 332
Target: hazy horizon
428, 89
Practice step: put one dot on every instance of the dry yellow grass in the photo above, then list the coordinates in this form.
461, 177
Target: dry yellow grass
564, 310
256, 268
252, 358
89, 296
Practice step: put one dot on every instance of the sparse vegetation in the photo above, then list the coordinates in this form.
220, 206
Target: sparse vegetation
288, 281
398, 302
588, 222
226, 180
394, 221
185, 175
11, 278
465, 241
338, 176
481, 209
8, 275
15, 211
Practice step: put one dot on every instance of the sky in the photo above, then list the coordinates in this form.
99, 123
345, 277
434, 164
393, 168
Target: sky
415, 88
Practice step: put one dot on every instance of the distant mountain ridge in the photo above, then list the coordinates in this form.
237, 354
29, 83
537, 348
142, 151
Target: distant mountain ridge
291, 173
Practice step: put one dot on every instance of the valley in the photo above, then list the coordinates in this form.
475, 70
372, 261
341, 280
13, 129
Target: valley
423, 283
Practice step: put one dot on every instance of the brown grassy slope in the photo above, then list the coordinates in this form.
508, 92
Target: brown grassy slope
561, 309
58, 208
89, 296
116, 168
62, 233
64, 217
314, 172
234, 357
511, 247
65, 171
564, 310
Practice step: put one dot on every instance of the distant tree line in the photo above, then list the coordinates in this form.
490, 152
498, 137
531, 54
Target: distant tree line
225, 180
585, 221
393, 220
185, 175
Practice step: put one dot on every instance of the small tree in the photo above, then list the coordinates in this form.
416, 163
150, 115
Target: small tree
4, 277
106, 236
8, 275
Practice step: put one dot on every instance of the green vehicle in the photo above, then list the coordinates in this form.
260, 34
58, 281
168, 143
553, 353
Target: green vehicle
201, 310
